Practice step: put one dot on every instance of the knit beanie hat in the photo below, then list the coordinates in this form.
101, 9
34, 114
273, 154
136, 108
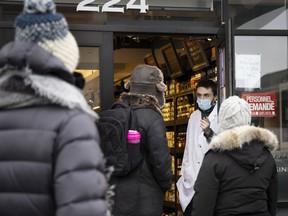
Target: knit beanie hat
40, 23
234, 111
148, 80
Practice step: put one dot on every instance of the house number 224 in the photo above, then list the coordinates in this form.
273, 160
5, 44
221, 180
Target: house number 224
110, 6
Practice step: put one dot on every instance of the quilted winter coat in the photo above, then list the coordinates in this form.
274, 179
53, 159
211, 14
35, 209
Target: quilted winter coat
50, 160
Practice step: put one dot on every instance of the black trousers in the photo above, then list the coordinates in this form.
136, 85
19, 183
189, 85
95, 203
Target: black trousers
188, 209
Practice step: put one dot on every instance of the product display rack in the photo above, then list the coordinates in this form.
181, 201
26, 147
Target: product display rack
176, 134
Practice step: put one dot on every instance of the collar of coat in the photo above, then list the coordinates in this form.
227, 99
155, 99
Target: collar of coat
140, 100
239, 136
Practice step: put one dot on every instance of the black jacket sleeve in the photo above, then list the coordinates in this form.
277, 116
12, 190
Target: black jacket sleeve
272, 193
206, 188
159, 154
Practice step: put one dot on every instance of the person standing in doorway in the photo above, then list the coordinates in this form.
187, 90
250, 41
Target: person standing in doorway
238, 175
141, 192
201, 127
50, 159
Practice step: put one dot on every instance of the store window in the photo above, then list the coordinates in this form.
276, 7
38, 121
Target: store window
261, 78
261, 74
261, 15
89, 67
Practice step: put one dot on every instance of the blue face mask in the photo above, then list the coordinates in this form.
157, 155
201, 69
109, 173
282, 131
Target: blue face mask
204, 104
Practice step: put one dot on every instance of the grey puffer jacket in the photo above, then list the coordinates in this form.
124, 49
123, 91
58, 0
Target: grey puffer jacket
238, 175
50, 160
142, 192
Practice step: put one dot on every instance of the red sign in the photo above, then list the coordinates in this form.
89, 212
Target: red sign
261, 104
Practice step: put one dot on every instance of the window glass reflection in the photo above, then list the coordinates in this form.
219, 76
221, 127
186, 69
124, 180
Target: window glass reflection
89, 67
266, 57
269, 14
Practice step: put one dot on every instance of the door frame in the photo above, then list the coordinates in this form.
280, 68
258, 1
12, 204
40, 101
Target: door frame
103, 40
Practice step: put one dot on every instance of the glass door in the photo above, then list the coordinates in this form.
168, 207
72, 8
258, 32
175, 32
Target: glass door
89, 68
96, 65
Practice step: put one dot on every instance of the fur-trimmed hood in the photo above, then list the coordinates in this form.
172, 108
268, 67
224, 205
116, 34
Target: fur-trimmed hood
141, 100
249, 146
238, 136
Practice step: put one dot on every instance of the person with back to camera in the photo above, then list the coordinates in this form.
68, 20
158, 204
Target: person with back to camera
142, 191
50, 158
238, 175
201, 127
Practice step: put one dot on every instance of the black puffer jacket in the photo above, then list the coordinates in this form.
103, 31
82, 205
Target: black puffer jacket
238, 176
142, 192
50, 160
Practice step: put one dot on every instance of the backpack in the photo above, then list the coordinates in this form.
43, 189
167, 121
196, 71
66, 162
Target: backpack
113, 126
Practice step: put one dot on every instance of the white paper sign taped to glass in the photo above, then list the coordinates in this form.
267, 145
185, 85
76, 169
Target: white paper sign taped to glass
248, 68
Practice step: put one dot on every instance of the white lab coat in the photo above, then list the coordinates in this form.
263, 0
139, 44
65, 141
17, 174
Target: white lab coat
195, 149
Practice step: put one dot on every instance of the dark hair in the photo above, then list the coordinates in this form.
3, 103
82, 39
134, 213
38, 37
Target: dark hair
207, 83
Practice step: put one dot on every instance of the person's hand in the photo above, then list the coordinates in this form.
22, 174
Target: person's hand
205, 125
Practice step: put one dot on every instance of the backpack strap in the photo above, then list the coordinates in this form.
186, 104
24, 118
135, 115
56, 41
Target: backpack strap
133, 120
133, 124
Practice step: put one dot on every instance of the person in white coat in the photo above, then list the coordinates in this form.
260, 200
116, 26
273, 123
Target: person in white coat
201, 127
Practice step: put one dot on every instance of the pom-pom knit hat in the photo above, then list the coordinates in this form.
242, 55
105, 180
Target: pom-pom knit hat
40, 23
234, 111
148, 80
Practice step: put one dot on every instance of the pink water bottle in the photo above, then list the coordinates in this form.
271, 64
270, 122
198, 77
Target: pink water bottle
134, 148
133, 137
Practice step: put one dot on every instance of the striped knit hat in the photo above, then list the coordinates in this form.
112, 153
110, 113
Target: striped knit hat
40, 23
